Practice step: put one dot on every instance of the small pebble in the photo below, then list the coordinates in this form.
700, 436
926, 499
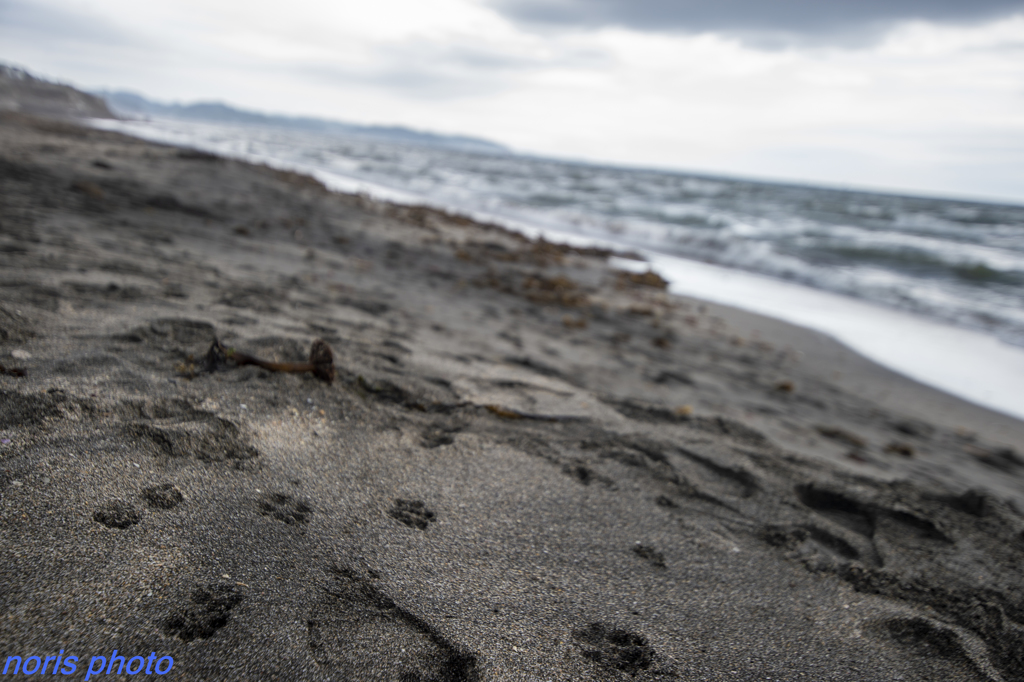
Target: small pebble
5, 441
19, 354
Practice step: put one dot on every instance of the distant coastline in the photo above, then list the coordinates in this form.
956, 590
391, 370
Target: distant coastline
23, 92
133, 105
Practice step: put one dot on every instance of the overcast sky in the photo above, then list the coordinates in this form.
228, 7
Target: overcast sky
919, 95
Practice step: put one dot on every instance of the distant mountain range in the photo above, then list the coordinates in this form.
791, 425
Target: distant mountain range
21, 91
132, 105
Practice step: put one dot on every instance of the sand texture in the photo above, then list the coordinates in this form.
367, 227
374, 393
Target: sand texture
528, 466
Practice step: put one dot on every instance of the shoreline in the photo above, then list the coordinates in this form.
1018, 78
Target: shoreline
964, 363
530, 464
967, 363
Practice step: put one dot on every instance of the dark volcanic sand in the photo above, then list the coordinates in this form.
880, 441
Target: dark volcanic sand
529, 467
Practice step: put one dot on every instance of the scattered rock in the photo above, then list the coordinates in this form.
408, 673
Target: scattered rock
650, 555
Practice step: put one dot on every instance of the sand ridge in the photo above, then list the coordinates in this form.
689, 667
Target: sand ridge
529, 466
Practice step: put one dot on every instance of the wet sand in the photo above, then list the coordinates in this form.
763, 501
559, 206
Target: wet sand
529, 466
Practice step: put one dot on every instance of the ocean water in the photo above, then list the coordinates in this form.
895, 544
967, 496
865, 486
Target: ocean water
947, 274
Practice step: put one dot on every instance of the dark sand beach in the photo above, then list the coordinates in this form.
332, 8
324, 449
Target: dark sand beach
528, 466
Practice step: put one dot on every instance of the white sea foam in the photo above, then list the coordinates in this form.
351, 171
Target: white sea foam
965, 363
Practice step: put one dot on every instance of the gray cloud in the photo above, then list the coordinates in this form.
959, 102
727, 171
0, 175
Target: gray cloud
30, 20
814, 19
438, 71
